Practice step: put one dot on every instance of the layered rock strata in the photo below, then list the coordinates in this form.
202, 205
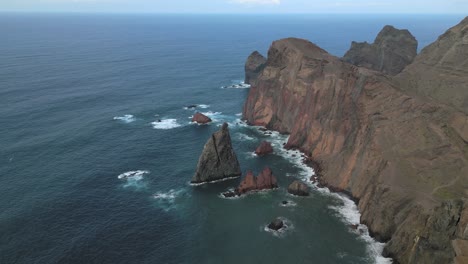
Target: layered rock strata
218, 159
403, 158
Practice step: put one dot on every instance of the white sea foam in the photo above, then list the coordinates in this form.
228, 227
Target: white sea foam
165, 124
125, 118
242, 137
192, 107
289, 204
237, 85
216, 181
348, 211
239, 114
167, 200
283, 231
137, 175
133, 179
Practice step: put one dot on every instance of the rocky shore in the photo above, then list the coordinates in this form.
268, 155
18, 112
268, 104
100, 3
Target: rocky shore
392, 140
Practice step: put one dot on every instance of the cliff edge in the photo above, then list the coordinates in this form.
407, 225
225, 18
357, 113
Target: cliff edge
402, 157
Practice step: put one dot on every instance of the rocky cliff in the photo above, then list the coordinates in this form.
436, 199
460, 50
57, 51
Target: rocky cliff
218, 159
253, 66
393, 49
402, 157
440, 71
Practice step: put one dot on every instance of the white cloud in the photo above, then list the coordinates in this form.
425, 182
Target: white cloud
257, 2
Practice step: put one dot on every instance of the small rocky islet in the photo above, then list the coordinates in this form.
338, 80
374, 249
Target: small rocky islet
384, 124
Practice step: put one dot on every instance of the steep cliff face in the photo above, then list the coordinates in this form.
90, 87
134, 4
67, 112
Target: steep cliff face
440, 71
253, 66
393, 49
403, 158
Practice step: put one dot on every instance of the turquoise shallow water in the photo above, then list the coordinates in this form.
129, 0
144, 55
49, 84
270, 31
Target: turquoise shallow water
78, 95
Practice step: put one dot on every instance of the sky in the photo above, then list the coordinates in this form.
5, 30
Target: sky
240, 6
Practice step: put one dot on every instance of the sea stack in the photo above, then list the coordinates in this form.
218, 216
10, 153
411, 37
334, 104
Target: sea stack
218, 160
264, 148
393, 49
253, 66
264, 181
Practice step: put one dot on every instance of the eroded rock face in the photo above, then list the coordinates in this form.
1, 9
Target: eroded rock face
393, 49
440, 71
264, 148
402, 157
200, 118
298, 188
253, 66
218, 159
264, 181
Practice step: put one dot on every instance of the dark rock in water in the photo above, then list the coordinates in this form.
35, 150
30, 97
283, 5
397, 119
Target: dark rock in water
218, 159
391, 52
253, 66
298, 188
159, 120
276, 225
284, 202
263, 129
200, 118
230, 194
264, 148
264, 181
191, 106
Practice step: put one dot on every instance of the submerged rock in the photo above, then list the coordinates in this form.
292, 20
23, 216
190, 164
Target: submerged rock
218, 159
276, 224
298, 188
393, 49
200, 118
253, 66
264, 148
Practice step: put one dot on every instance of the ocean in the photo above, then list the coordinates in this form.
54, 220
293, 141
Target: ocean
79, 97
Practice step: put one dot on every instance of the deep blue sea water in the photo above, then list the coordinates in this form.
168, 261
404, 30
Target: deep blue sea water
67, 82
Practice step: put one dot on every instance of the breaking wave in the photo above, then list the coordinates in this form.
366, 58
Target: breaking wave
165, 124
125, 118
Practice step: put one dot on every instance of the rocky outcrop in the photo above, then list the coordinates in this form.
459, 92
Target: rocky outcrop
298, 188
402, 158
253, 66
218, 159
393, 49
440, 71
276, 224
264, 181
200, 118
264, 148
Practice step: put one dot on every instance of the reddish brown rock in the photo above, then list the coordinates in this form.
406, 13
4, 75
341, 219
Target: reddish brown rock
249, 183
264, 148
298, 188
253, 66
200, 118
266, 180
402, 157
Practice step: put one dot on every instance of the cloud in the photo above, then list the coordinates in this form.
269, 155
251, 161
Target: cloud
257, 2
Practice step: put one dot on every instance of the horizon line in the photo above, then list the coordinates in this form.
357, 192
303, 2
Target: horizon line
215, 13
